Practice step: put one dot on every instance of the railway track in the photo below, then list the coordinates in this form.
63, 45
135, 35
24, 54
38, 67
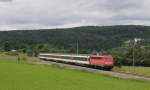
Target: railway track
94, 70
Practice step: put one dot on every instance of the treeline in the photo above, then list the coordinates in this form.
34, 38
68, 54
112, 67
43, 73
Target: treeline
89, 38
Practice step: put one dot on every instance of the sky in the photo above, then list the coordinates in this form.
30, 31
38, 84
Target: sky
42, 14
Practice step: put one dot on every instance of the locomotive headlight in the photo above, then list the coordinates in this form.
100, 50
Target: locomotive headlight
108, 63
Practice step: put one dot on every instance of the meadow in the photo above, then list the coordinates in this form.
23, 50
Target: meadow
26, 76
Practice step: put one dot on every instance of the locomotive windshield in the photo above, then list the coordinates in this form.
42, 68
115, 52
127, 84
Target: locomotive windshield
97, 58
101, 58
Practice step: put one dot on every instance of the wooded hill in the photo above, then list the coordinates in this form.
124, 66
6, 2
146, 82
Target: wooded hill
90, 38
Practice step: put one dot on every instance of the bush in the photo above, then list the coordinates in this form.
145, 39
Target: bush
118, 60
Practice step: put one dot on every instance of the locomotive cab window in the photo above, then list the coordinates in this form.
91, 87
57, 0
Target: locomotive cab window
97, 58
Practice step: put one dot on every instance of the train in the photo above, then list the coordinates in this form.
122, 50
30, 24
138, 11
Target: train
98, 61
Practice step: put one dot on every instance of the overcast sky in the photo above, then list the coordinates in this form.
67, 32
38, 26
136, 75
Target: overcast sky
33, 14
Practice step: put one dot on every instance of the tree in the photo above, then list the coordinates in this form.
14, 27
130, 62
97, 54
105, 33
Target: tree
7, 46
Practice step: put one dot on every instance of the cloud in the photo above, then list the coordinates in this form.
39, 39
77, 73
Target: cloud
34, 14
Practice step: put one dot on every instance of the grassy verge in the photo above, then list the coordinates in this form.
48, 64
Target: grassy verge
23, 76
14, 58
145, 71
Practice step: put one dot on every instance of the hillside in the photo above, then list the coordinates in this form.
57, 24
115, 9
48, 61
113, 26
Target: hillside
90, 37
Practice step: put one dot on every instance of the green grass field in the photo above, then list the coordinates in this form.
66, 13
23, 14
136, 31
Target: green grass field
137, 70
25, 76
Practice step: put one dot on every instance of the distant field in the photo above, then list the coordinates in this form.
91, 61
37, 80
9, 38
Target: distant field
21, 76
13, 58
137, 70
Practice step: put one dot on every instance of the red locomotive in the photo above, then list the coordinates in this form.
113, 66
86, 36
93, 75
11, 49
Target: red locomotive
105, 62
